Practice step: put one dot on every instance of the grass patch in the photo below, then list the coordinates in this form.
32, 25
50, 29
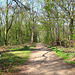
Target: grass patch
65, 53
14, 57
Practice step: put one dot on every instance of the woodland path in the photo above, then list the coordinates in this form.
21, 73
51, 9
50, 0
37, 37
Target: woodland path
43, 61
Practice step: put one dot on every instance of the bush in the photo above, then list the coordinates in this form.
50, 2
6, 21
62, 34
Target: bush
64, 43
56, 42
67, 43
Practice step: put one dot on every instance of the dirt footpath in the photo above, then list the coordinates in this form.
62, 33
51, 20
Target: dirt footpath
43, 61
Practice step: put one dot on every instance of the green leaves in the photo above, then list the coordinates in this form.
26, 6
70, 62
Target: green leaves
64, 54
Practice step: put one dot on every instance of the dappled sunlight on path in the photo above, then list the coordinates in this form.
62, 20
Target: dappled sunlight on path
43, 61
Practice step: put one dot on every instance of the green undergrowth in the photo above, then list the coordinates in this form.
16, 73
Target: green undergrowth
67, 56
14, 57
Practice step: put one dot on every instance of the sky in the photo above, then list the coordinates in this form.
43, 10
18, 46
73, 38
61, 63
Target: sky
36, 5
2, 3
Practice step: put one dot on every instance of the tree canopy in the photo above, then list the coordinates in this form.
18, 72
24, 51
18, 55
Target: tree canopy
31, 21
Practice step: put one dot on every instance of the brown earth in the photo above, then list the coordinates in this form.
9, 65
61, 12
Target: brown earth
43, 61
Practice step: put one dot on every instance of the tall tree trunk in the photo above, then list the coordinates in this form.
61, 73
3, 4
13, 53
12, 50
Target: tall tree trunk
63, 31
0, 34
32, 36
20, 35
71, 28
20, 32
6, 25
74, 20
47, 36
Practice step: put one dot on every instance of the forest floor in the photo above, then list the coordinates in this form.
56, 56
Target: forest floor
43, 61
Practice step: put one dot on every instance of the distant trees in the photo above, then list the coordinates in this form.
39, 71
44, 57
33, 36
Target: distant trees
58, 18
33, 16
68, 6
33, 21
9, 23
19, 23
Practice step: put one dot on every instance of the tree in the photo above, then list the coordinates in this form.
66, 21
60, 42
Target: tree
68, 7
8, 25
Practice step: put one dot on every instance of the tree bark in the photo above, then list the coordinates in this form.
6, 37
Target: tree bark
0, 34
71, 28
32, 36
6, 25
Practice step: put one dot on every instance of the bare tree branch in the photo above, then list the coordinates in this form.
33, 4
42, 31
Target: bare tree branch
18, 3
